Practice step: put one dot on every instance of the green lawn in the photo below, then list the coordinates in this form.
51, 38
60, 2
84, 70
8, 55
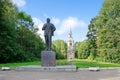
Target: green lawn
79, 63
14, 65
87, 63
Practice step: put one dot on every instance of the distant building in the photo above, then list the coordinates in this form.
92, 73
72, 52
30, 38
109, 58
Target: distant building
70, 47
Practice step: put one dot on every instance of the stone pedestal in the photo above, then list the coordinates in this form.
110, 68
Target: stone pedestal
48, 58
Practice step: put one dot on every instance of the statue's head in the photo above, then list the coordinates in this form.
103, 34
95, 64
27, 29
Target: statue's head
48, 20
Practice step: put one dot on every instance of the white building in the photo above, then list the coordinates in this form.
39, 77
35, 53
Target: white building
70, 47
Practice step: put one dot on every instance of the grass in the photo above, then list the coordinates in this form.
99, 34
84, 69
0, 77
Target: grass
14, 65
88, 63
78, 62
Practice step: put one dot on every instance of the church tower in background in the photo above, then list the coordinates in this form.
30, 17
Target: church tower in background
70, 47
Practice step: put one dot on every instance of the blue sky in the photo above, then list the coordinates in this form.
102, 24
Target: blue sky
63, 14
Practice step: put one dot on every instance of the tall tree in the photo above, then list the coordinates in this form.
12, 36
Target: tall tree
8, 16
92, 39
18, 38
83, 50
108, 25
60, 47
76, 49
24, 24
28, 40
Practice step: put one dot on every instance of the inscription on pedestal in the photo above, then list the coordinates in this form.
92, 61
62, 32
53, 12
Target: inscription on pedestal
48, 58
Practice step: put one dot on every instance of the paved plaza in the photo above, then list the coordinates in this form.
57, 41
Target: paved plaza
111, 74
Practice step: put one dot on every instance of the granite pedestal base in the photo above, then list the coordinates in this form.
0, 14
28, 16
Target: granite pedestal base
67, 68
48, 58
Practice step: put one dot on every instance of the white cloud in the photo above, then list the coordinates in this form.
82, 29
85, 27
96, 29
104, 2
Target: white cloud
19, 3
55, 21
70, 22
39, 24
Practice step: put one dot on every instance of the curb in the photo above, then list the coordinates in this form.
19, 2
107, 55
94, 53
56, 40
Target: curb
109, 68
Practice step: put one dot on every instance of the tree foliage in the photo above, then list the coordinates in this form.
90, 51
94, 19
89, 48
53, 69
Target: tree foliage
107, 26
92, 36
83, 50
7, 30
18, 38
60, 47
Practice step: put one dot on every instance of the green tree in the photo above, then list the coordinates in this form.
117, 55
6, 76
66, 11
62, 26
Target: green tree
76, 49
92, 36
28, 40
8, 16
60, 47
107, 25
18, 36
83, 50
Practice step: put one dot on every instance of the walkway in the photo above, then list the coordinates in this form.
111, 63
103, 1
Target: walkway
111, 74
